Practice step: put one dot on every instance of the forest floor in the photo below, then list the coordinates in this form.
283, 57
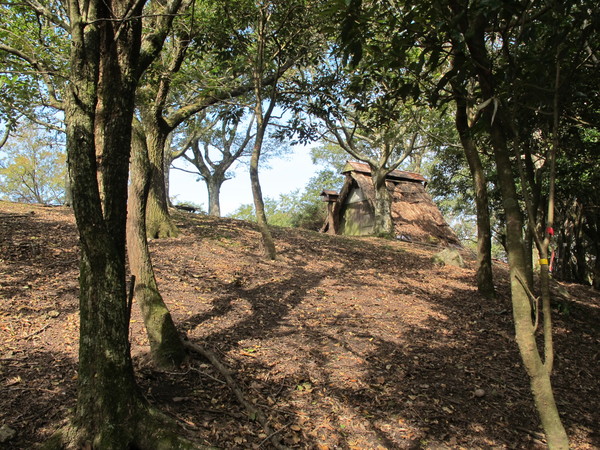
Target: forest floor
353, 343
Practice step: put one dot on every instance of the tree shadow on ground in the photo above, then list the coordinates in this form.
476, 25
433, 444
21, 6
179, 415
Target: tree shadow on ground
344, 342
451, 377
38, 390
39, 259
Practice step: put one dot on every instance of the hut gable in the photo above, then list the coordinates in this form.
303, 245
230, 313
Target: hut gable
414, 214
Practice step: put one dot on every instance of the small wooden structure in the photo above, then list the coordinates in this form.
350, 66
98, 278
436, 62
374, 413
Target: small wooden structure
415, 216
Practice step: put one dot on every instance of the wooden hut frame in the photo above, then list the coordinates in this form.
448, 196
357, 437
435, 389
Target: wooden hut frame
414, 214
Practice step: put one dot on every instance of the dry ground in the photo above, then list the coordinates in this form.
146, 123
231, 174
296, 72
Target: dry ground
353, 343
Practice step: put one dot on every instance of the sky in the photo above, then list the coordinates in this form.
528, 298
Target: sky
285, 174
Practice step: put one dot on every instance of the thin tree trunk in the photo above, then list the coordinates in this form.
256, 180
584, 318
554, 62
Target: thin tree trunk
168, 156
484, 276
262, 122
165, 343
592, 217
538, 372
528, 243
578, 238
259, 205
68, 191
596, 270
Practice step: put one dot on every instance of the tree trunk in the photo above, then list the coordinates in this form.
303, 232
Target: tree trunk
165, 343
384, 225
594, 235
596, 270
262, 122
259, 205
168, 156
159, 223
108, 400
538, 372
484, 276
68, 191
213, 185
579, 238
528, 243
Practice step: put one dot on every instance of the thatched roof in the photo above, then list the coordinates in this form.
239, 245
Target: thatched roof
415, 215
358, 167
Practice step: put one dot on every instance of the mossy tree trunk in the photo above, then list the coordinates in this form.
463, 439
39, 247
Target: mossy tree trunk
165, 343
159, 223
105, 67
383, 225
108, 398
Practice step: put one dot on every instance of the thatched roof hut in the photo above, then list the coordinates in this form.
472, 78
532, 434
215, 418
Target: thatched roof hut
415, 216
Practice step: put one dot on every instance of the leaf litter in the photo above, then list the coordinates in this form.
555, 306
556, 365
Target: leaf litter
355, 343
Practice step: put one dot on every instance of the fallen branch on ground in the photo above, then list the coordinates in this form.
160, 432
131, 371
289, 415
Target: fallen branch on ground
252, 410
34, 333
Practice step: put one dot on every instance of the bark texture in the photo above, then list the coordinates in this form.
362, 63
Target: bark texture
159, 223
165, 343
105, 68
108, 399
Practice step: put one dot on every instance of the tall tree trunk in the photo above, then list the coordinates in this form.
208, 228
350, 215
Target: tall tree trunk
159, 223
262, 122
165, 343
107, 399
484, 276
538, 371
110, 413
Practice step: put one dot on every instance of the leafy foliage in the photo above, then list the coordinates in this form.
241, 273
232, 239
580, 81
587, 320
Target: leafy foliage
33, 168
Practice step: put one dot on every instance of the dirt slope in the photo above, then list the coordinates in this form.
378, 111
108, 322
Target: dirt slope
344, 342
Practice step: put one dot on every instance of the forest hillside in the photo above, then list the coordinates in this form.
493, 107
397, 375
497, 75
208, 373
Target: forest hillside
356, 343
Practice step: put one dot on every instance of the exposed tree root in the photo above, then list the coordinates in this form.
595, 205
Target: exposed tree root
152, 431
253, 412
